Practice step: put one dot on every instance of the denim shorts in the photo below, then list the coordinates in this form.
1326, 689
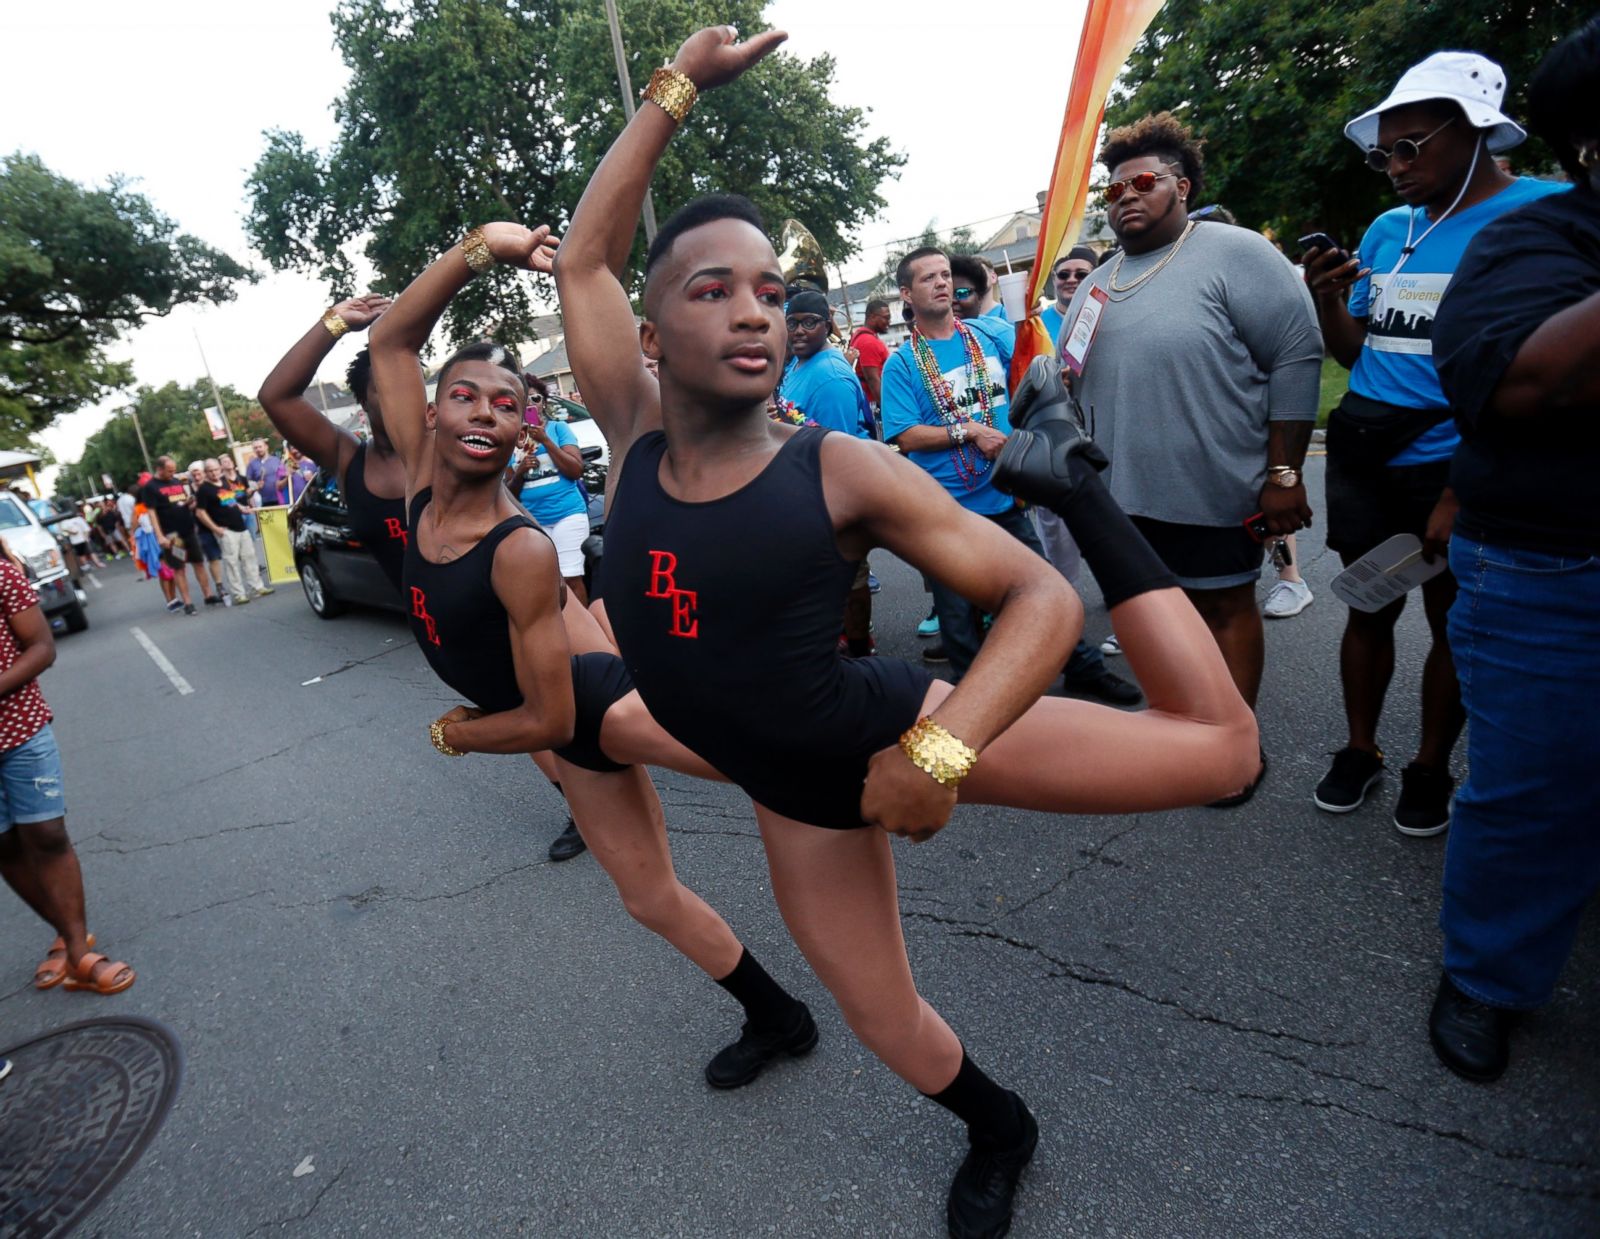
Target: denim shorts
30, 781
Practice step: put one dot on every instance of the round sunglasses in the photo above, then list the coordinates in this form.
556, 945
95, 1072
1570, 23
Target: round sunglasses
1405, 150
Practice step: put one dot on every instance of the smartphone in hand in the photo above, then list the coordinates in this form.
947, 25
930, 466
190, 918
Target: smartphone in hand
1322, 241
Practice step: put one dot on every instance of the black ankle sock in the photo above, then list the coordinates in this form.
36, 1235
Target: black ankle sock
987, 1109
765, 1002
1110, 543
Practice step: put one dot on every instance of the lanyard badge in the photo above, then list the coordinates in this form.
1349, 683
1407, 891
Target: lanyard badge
1075, 348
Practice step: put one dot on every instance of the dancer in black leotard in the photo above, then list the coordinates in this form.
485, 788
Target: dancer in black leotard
692, 621
486, 606
371, 475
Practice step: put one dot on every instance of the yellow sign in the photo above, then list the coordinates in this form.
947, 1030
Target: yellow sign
274, 522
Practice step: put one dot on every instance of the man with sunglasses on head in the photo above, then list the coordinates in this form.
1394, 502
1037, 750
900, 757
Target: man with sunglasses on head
1196, 358
1391, 440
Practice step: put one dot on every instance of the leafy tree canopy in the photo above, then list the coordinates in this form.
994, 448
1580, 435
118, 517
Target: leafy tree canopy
79, 268
173, 420
1269, 85
956, 241
460, 111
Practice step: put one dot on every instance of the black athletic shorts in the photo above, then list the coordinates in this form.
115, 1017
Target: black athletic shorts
1367, 506
209, 545
1204, 556
599, 681
190, 543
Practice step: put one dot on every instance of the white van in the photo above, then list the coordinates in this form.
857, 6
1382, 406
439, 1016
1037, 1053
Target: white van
33, 543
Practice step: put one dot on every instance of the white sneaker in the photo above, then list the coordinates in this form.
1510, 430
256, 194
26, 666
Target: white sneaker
1111, 645
1287, 599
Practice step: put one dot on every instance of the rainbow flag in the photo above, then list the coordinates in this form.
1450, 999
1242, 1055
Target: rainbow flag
1110, 29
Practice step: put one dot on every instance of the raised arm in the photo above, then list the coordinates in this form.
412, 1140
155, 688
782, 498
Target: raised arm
525, 579
283, 394
601, 336
402, 333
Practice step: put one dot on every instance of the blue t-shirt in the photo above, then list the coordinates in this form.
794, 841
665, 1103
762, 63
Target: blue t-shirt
906, 403
1052, 320
825, 389
547, 495
1395, 365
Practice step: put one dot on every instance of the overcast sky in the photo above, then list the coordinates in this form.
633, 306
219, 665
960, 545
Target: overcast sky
176, 94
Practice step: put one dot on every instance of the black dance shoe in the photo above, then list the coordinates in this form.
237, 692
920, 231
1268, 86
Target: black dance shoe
568, 843
1470, 1037
982, 1192
1048, 449
736, 1065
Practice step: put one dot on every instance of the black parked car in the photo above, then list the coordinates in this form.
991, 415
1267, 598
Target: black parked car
336, 569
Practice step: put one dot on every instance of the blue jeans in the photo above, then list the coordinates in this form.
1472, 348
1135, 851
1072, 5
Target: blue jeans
961, 623
30, 781
1524, 851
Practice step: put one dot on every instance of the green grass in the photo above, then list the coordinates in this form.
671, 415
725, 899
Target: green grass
1335, 379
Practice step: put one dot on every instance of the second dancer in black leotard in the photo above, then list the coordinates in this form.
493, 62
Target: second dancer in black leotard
813, 744
488, 609
371, 475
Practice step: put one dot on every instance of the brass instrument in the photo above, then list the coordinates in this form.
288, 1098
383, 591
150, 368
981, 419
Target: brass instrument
800, 258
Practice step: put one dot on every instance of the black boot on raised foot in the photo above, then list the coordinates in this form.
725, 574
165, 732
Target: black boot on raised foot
736, 1065
1048, 449
1471, 1038
982, 1193
568, 843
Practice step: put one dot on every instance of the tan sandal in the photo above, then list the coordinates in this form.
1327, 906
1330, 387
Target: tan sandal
53, 969
115, 978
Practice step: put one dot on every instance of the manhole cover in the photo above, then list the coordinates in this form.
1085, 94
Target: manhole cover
77, 1110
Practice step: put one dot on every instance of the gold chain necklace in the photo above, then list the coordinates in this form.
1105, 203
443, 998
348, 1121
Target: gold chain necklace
1111, 279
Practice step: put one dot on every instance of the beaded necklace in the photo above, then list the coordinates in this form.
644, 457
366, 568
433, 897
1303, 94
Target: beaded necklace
969, 470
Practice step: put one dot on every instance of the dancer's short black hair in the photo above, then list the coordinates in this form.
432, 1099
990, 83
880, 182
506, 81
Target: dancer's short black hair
902, 273
359, 376
972, 271
698, 213
1164, 136
484, 350
1564, 96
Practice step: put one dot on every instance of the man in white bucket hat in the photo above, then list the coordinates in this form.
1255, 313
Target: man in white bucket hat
1391, 438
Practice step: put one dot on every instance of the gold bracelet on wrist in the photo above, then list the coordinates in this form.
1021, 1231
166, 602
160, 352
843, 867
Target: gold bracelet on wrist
479, 259
335, 324
672, 92
935, 751
436, 734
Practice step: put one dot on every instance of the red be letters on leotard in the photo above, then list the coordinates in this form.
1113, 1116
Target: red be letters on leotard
663, 584
419, 609
397, 531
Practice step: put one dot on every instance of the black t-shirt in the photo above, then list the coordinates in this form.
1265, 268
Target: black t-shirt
108, 520
169, 500
223, 512
1523, 481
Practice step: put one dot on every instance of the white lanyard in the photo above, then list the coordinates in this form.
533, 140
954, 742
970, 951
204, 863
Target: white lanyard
1411, 219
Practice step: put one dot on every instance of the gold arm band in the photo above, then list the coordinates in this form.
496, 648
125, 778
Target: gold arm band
436, 734
335, 324
479, 259
935, 751
672, 92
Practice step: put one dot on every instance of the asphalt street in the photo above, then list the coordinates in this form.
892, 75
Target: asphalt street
400, 1019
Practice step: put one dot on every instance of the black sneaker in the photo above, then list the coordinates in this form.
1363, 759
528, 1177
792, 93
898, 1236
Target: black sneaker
1348, 780
1243, 796
935, 653
568, 843
1470, 1037
736, 1065
1104, 685
188, 608
982, 1192
212, 600
1424, 805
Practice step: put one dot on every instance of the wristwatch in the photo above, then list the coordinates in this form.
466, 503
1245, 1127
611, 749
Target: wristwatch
1284, 476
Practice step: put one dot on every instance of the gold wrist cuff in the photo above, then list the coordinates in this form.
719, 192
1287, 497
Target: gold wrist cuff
479, 259
672, 92
935, 751
335, 324
436, 734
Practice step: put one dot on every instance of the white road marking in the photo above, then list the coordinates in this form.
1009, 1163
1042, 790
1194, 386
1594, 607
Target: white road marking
95, 581
161, 660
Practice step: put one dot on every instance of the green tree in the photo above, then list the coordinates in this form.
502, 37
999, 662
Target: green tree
957, 241
78, 269
461, 111
172, 418
1269, 85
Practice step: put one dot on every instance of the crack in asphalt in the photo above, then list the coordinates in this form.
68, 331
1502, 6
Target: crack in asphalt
382, 894
1441, 1133
280, 1223
729, 834
361, 662
1092, 856
1325, 1074
256, 761
180, 916
113, 840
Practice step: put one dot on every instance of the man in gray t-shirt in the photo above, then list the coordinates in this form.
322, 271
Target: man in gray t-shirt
1196, 357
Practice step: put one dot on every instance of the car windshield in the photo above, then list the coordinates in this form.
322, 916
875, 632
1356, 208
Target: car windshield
571, 410
12, 515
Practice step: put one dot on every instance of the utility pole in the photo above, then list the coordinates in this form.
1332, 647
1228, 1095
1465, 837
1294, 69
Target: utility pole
627, 106
216, 395
138, 431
